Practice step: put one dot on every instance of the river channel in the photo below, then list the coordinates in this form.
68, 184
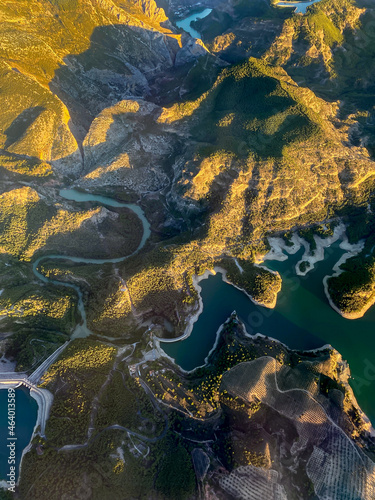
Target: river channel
302, 318
82, 329
26, 407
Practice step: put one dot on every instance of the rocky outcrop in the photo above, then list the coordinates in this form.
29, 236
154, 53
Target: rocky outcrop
126, 146
191, 51
64, 64
150, 8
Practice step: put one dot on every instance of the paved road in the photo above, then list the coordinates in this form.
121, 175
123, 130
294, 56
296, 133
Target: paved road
38, 373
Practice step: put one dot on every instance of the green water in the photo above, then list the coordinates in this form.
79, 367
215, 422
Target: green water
299, 6
82, 329
78, 196
185, 24
302, 319
26, 415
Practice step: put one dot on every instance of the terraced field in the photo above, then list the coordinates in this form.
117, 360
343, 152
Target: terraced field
337, 467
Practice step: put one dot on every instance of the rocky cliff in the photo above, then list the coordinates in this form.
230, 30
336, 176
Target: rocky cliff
63, 62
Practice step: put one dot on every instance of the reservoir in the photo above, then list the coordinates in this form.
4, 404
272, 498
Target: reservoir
302, 319
26, 415
299, 6
185, 24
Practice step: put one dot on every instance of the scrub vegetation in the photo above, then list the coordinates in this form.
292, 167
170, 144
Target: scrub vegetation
264, 128
29, 225
100, 470
75, 379
124, 402
353, 291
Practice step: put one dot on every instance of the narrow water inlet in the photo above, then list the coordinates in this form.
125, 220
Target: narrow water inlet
82, 329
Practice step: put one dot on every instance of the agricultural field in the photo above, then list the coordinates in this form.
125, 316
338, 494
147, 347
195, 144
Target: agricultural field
260, 131
250, 388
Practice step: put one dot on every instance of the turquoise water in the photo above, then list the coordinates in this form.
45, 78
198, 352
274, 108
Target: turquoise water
299, 6
78, 196
26, 415
82, 329
185, 24
302, 319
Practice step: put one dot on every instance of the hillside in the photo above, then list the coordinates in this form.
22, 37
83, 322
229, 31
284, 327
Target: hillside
330, 50
256, 153
62, 62
236, 157
248, 132
258, 417
135, 161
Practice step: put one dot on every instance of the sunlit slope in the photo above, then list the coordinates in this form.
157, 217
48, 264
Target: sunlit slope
330, 49
61, 63
311, 41
30, 224
353, 291
126, 147
328, 45
256, 149
35, 137
265, 155
332, 460
33, 224
334, 56
37, 36
254, 154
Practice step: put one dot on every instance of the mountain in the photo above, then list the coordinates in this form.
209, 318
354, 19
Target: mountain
194, 153
62, 62
243, 153
329, 50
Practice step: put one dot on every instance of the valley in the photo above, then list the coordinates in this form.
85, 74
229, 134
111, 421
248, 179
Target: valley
162, 165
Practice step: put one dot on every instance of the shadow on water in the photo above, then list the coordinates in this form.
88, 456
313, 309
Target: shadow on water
302, 319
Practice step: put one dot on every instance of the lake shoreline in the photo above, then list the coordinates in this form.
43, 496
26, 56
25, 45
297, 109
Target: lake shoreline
279, 246
43, 400
352, 251
368, 425
184, 23
205, 363
193, 318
